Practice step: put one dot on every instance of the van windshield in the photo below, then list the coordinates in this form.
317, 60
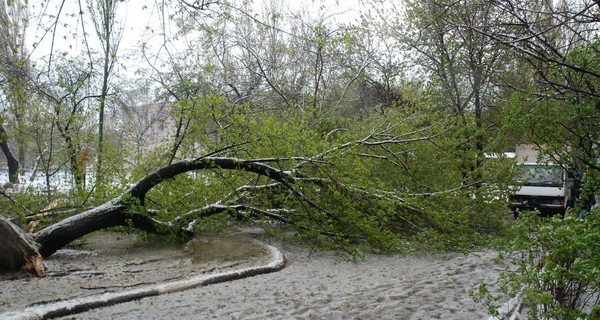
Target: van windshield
540, 175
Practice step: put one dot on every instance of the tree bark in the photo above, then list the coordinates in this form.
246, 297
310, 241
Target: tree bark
58, 235
17, 250
74, 151
13, 163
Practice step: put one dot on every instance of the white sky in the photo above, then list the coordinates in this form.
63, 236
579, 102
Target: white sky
137, 17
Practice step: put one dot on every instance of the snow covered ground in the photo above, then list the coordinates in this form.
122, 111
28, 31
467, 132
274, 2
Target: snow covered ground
61, 181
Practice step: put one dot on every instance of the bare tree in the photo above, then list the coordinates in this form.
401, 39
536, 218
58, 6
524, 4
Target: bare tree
67, 91
141, 124
105, 22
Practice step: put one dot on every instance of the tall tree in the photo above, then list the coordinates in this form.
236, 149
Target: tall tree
14, 72
105, 23
68, 92
12, 162
460, 64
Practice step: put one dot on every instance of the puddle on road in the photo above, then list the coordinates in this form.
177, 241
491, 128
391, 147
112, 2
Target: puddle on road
223, 247
201, 249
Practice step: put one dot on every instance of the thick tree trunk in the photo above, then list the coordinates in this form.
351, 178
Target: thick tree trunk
115, 212
17, 250
110, 214
13, 163
62, 233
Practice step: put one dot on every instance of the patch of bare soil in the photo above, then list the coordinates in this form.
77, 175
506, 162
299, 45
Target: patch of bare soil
113, 262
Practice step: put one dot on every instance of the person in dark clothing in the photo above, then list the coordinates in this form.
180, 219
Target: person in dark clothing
585, 204
575, 189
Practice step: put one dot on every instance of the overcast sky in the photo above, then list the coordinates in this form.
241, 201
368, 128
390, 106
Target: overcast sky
136, 18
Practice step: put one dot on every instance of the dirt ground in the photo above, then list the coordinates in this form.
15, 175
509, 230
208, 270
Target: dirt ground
313, 285
111, 262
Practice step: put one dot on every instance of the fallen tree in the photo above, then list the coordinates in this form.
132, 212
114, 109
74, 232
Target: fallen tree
19, 249
344, 194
